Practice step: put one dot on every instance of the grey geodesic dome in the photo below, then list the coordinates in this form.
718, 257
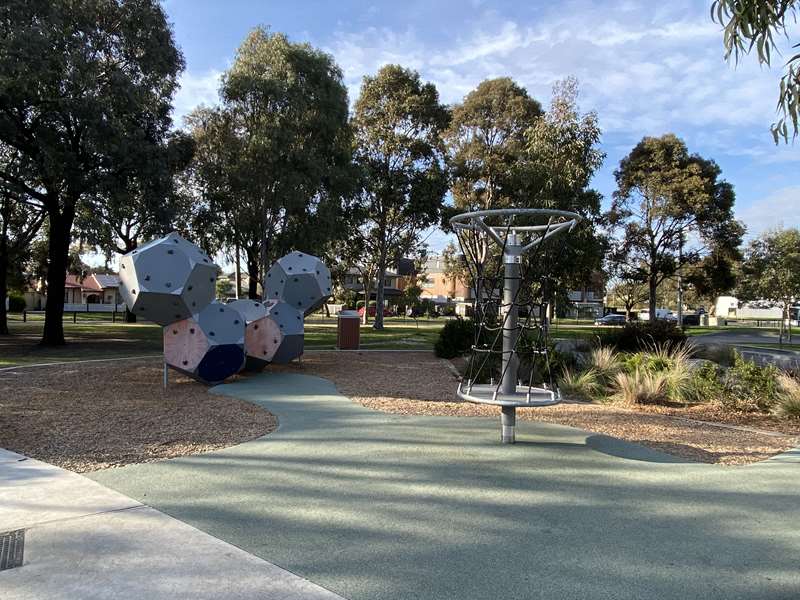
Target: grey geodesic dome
289, 321
301, 280
262, 336
167, 280
208, 346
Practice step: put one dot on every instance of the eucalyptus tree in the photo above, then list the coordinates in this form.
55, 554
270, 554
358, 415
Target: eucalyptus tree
85, 89
398, 122
486, 141
671, 209
771, 271
285, 112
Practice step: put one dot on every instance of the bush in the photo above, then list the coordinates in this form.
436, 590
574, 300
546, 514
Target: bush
705, 384
455, 338
16, 303
788, 404
643, 335
749, 387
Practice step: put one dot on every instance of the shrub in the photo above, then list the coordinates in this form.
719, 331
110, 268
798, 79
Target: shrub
749, 387
705, 384
16, 303
788, 401
584, 384
642, 335
640, 387
455, 338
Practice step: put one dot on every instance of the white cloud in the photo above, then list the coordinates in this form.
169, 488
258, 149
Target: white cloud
780, 208
196, 89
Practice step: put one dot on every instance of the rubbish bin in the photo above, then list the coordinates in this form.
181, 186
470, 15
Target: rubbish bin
348, 330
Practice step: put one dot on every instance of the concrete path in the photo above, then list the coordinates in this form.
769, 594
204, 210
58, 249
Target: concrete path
376, 506
84, 541
786, 358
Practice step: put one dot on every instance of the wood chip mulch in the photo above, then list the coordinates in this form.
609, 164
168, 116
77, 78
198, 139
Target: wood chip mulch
90, 416
418, 383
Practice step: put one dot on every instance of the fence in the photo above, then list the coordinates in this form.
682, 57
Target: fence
77, 309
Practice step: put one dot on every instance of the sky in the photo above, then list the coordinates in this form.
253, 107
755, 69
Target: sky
647, 68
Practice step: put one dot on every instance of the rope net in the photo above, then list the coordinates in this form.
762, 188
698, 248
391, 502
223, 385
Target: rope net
511, 302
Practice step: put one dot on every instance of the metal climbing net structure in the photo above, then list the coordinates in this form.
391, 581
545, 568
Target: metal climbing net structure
507, 253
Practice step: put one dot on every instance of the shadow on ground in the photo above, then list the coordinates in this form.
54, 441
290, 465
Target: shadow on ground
378, 506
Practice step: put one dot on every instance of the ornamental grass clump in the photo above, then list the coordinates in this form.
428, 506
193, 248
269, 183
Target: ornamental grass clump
640, 387
605, 362
788, 397
583, 384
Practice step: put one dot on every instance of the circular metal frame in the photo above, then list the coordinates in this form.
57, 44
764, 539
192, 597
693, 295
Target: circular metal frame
509, 393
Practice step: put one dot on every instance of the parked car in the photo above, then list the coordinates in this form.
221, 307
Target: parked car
691, 320
386, 312
611, 319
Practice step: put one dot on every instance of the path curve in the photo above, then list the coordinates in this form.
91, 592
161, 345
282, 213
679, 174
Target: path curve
379, 506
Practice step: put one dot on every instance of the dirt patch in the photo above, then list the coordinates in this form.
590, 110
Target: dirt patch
85, 417
421, 384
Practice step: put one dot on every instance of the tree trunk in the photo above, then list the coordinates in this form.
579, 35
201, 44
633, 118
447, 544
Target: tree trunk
651, 302
238, 265
3, 280
379, 299
367, 293
252, 276
57, 253
4, 270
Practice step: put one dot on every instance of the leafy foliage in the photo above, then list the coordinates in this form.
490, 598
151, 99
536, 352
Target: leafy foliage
665, 194
755, 24
397, 123
771, 269
273, 166
455, 338
85, 90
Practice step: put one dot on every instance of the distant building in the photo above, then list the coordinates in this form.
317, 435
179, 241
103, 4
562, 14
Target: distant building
441, 288
94, 288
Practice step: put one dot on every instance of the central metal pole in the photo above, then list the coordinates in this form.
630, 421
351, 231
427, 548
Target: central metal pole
508, 384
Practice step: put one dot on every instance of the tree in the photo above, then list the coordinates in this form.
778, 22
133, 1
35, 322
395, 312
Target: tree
274, 160
771, 271
561, 156
486, 141
139, 203
21, 219
85, 88
665, 195
398, 122
755, 24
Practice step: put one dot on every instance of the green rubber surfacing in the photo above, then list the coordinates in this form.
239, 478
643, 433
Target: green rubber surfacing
379, 506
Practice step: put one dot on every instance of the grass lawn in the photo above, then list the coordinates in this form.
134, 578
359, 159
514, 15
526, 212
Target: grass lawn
97, 338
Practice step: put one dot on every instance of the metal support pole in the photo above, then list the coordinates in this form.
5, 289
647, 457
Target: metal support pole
508, 385
508, 421
166, 375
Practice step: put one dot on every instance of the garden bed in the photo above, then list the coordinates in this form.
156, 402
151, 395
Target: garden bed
421, 384
90, 416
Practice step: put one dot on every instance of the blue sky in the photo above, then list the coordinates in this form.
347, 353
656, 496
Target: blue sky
646, 68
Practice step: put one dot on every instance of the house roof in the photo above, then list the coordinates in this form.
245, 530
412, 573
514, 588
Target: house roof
106, 280
93, 282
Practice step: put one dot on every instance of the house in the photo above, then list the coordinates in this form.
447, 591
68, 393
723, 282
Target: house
94, 288
393, 283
